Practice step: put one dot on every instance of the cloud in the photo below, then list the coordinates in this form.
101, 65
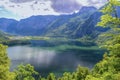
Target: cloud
68, 6
7, 14
95, 3
20, 1
23, 1
27, 8
65, 6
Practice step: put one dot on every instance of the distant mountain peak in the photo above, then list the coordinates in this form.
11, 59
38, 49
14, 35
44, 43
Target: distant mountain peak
87, 8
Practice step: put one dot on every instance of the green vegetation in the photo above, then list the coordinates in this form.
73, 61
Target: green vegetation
73, 47
107, 69
25, 72
9, 40
3, 36
5, 74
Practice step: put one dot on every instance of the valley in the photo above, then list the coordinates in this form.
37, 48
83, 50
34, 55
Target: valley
80, 26
66, 38
54, 44
59, 39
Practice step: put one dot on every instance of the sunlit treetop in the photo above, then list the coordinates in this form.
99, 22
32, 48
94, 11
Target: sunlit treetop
110, 15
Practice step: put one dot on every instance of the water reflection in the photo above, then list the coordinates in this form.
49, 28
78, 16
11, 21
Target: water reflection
32, 55
46, 61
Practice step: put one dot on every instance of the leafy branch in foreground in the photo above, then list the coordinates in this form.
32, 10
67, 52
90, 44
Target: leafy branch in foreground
5, 74
109, 67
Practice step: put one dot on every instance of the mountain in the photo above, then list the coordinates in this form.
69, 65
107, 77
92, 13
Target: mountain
3, 36
74, 25
5, 24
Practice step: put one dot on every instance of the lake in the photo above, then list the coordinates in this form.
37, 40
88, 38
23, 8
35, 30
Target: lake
56, 59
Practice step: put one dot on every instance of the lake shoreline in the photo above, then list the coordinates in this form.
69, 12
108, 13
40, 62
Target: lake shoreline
57, 59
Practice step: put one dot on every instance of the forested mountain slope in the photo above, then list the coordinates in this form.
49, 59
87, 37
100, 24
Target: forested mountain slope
74, 25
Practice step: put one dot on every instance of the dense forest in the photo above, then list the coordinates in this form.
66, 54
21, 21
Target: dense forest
107, 69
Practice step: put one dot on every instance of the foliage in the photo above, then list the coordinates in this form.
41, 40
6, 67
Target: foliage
79, 74
109, 67
110, 17
5, 74
3, 36
51, 76
26, 72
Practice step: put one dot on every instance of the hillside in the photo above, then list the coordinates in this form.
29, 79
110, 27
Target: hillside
3, 36
74, 25
78, 26
5, 39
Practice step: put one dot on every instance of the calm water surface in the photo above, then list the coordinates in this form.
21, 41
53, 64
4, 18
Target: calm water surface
49, 60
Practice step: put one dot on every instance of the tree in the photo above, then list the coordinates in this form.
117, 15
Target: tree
109, 67
110, 15
26, 72
111, 19
79, 74
5, 74
51, 76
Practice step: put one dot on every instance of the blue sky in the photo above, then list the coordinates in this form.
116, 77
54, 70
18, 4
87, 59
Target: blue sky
27, 8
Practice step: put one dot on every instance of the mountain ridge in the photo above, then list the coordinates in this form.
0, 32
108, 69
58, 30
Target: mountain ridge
73, 25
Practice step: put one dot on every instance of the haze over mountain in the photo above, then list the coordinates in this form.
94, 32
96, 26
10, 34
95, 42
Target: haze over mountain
27, 8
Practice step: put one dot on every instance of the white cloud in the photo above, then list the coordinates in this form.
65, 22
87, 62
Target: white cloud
83, 2
27, 8
95, 3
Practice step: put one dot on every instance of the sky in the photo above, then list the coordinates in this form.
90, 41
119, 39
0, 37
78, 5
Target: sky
26, 8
